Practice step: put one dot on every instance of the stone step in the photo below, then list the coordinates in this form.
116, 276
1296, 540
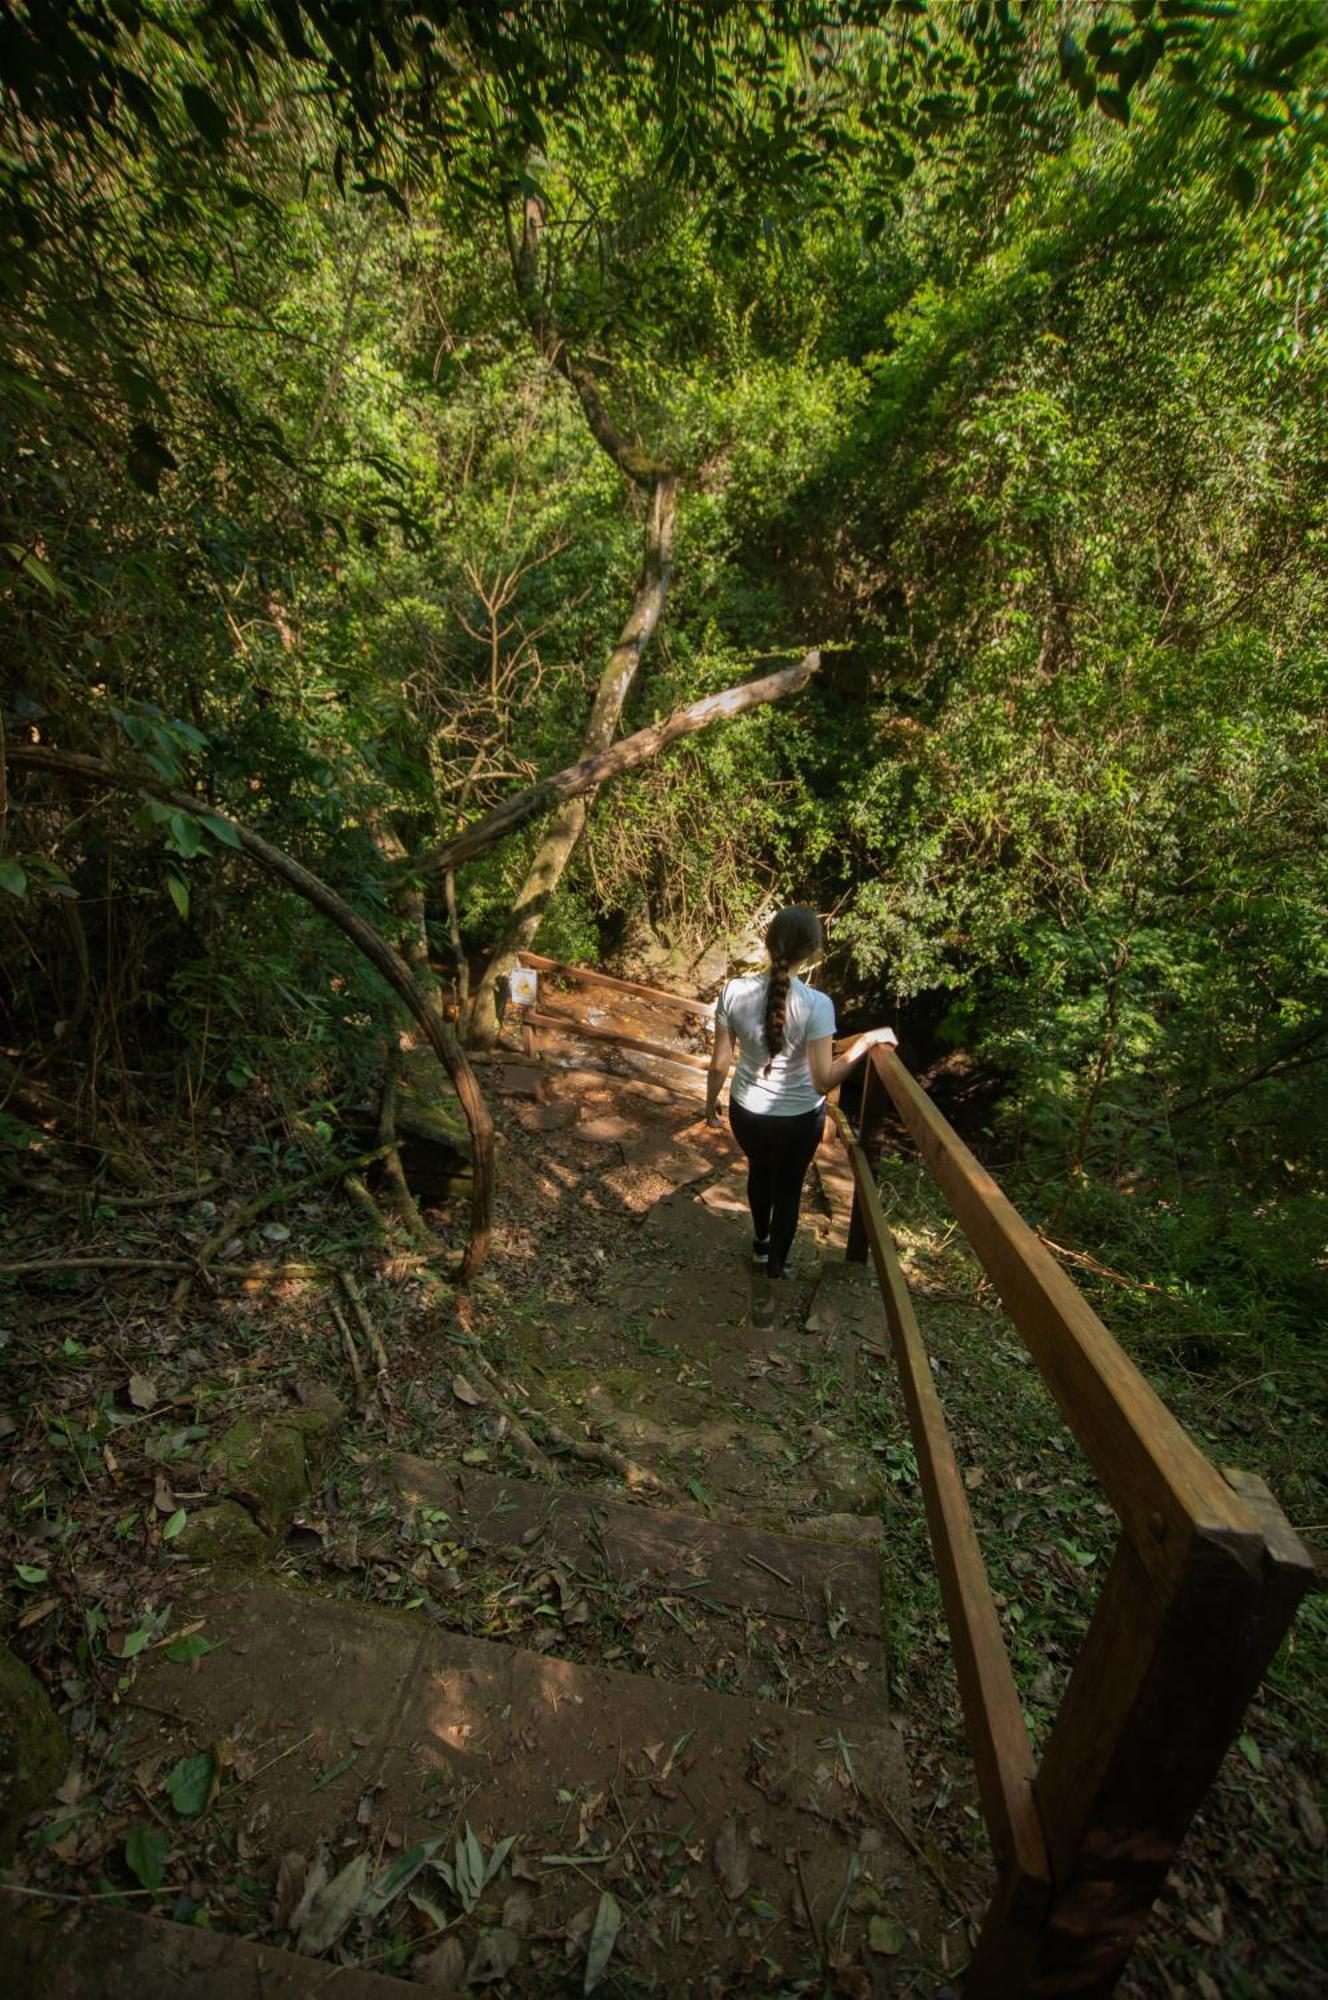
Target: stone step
674, 1593
731, 1833
786, 1577
103, 1954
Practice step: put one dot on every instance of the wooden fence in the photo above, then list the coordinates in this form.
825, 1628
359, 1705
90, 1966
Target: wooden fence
1204, 1582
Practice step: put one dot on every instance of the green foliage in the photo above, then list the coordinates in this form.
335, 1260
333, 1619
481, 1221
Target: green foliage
988, 343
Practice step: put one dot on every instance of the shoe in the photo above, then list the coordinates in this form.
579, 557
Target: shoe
776, 1276
761, 1252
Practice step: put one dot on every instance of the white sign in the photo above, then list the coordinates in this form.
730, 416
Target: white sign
523, 986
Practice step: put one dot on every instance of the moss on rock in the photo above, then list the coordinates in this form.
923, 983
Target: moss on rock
33, 1748
223, 1533
848, 1480
270, 1459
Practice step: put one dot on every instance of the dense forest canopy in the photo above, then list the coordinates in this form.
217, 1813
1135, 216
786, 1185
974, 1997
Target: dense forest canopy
354, 355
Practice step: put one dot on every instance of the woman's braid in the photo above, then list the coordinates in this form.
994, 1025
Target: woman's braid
794, 936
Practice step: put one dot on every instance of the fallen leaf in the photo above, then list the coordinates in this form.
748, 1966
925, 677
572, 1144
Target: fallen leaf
291, 1872
146, 1849
495, 1955
71, 1790
443, 1969
463, 1392
733, 1860
1308, 1816
851, 1982
398, 1877
37, 1613
333, 1907
603, 1936
477, 1455
518, 1910
142, 1392
276, 1232
189, 1784
887, 1936
974, 1477
162, 1497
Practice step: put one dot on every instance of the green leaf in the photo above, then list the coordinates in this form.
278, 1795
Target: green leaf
222, 830
33, 566
30, 1573
887, 1936
146, 1850
191, 1647
206, 116
1251, 1752
13, 878
337, 1771
603, 1936
371, 184
190, 1782
187, 834
403, 1871
1243, 184
178, 889
177, 1520
149, 456
135, 1643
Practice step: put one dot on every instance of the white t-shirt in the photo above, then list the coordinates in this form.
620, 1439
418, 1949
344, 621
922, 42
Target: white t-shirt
788, 1090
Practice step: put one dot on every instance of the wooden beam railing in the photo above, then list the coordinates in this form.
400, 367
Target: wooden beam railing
1205, 1580
676, 1004
686, 1012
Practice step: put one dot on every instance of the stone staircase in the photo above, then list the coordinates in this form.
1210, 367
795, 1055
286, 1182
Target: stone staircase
710, 1799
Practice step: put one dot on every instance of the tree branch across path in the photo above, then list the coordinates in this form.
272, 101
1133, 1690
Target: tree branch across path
611, 763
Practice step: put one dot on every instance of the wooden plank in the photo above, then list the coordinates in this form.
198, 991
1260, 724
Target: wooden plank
672, 1003
568, 1025
1160, 1484
871, 1137
992, 1708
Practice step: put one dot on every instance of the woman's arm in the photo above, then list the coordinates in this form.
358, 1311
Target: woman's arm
721, 1062
828, 1069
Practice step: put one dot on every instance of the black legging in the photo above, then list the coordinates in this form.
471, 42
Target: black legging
779, 1152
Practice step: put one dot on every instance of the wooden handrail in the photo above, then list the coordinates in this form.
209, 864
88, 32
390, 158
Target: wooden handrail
1160, 1485
567, 1024
1205, 1581
993, 1712
668, 1003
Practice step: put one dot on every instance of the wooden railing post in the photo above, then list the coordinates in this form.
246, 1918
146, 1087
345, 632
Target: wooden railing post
1154, 1701
872, 1114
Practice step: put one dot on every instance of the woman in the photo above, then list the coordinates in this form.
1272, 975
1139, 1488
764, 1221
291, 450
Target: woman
783, 1034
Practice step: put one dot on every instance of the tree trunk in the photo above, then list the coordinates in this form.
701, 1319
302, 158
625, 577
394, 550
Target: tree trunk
386, 961
555, 850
